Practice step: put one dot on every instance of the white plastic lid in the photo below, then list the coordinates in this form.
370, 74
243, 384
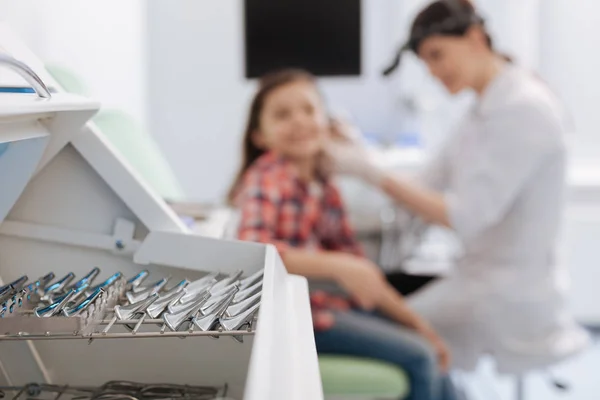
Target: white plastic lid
22, 146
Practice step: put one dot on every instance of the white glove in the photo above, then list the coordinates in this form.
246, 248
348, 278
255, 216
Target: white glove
347, 154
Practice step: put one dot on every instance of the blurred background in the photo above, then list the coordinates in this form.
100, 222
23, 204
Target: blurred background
180, 75
179, 69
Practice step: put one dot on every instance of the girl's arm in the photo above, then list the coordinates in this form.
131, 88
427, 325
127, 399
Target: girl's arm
363, 280
259, 207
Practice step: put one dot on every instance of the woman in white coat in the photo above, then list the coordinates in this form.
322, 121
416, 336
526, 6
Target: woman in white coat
499, 184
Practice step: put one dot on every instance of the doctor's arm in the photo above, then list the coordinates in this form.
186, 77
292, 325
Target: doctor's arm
429, 204
424, 199
422, 195
512, 145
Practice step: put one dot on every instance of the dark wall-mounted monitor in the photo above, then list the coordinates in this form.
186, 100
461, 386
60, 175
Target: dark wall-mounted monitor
322, 36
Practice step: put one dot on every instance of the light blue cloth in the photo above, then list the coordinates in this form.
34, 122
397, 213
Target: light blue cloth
3, 148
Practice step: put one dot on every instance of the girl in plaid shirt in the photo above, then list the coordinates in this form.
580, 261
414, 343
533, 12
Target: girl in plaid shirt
285, 199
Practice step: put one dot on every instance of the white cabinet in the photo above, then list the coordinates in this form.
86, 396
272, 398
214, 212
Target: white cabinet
68, 203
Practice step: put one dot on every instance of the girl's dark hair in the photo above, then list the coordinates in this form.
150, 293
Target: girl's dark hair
267, 84
449, 18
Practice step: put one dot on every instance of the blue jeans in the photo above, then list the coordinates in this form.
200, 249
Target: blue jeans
364, 335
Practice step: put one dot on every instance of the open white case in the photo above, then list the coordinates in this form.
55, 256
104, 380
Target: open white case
69, 202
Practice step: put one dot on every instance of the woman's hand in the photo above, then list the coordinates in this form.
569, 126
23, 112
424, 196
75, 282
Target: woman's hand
362, 279
343, 131
443, 354
441, 350
345, 153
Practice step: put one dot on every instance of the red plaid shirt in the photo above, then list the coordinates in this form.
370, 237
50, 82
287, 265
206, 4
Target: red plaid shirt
279, 208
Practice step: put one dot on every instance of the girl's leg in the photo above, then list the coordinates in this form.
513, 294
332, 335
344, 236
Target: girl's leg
363, 335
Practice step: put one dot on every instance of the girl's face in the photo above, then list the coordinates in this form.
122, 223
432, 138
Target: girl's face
293, 121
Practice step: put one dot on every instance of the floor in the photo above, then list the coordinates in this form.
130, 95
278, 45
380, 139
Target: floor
581, 375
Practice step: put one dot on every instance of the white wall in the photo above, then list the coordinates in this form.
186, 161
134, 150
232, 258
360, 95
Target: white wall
515, 28
556, 38
570, 62
103, 41
197, 96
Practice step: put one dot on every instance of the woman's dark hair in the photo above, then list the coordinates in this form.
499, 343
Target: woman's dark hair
267, 84
446, 17
442, 17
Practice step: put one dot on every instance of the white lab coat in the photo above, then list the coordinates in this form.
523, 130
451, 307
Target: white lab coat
503, 175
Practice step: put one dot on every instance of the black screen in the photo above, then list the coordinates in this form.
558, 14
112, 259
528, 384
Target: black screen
322, 36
